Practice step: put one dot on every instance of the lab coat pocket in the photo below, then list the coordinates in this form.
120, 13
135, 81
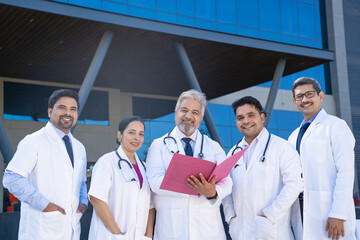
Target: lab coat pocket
264, 229
118, 237
171, 220
52, 225
209, 216
319, 211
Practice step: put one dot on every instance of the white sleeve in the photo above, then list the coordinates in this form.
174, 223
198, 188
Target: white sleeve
290, 171
156, 169
342, 143
25, 157
101, 180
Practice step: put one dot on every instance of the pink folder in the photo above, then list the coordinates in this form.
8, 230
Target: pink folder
181, 167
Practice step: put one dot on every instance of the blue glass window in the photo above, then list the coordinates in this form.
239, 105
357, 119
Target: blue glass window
187, 21
270, 15
206, 9
186, 7
205, 24
248, 13
144, 3
166, 5
222, 27
220, 114
289, 17
166, 17
226, 11
142, 12
307, 21
115, 7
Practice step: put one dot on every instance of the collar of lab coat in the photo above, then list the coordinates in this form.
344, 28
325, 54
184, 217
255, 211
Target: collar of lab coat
53, 134
319, 118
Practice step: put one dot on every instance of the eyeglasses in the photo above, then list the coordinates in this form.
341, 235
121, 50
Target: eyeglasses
308, 94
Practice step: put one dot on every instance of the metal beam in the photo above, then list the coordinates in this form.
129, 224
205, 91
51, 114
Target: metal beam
279, 70
193, 82
94, 69
5, 145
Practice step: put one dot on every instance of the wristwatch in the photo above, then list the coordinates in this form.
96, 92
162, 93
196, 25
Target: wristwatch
213, 197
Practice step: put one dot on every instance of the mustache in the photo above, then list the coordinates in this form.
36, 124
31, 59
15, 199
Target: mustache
301, 105
67, 116
188, 120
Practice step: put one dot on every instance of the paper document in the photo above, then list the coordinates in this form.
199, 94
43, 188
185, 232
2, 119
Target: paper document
181, 167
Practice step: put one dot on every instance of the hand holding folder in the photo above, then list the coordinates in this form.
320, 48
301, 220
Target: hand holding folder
181, 167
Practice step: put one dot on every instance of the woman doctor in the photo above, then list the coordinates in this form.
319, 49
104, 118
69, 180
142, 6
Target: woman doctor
119, 190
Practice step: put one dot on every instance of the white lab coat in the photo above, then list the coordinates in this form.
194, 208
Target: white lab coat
128, 204
268, 187
182, 216
327, 158
42, 158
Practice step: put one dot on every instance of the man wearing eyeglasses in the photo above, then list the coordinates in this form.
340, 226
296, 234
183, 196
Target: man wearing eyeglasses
326, 147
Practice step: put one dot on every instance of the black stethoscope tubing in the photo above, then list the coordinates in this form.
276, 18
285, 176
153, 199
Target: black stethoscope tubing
200, 155
262, 159
130, 166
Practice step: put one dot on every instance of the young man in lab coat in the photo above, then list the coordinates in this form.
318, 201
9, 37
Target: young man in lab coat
183, 216
266, 179
326, 147
48, 175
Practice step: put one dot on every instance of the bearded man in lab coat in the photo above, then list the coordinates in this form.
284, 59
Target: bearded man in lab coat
48, 175
183, 216
266, 179
326, 147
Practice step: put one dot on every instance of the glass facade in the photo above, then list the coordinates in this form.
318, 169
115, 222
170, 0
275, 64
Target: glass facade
289, 21
28, 102
282, 123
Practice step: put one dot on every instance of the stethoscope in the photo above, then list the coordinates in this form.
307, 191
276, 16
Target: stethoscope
262, 159
130, 166
200, 155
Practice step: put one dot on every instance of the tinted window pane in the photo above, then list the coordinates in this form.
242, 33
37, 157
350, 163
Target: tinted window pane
166, 5
115, 7
222, 27
226, 11
270, 15
142, 12
307, 21
186, 7
206, 9
166, 17
187, 21
289, 17
155, 109
29, 102
205, 24
220, 114
248, 13
144, 3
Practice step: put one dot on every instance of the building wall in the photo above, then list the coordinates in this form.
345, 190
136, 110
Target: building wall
352, 36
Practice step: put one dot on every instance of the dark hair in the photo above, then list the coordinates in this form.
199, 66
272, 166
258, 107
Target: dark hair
56, 95
126, 121
306, 80
248, 100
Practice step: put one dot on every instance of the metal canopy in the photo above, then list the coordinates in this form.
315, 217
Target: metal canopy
56, 48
